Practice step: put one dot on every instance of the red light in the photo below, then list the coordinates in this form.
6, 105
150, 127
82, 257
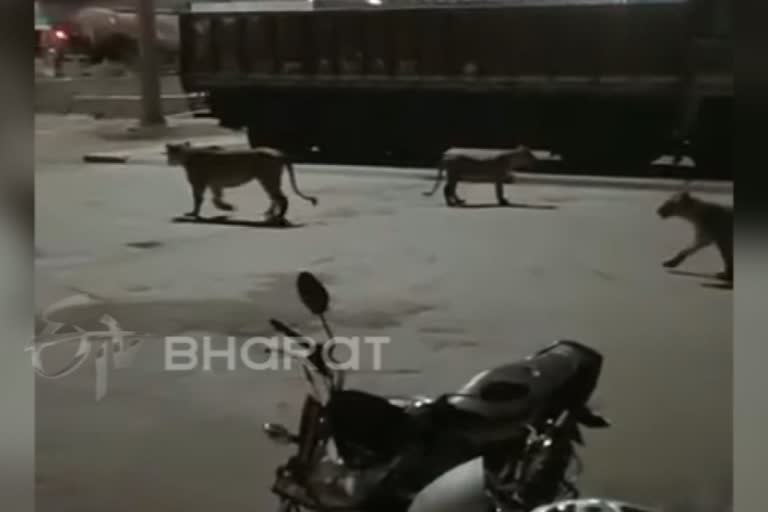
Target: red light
60, 34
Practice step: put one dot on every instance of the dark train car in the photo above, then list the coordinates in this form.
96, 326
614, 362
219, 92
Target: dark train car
601, 82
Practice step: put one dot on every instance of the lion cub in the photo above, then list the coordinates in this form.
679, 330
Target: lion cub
462, 164
216, 169
712, 223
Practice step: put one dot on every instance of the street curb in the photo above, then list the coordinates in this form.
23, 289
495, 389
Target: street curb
621, 182
144, 156
144, 153
570, 180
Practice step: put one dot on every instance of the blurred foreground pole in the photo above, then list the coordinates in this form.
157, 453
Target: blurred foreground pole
149, 69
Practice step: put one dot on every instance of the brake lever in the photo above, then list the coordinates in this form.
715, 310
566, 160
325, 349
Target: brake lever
281, 327
316, 358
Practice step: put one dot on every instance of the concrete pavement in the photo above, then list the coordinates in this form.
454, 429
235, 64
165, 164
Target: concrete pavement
458, 290
65, 139
112, 97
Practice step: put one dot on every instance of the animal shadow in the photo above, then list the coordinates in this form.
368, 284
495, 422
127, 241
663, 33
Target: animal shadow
149, 244
718, 284
688, 273
527, 206
224, 220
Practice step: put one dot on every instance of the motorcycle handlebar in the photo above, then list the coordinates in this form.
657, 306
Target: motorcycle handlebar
315, 358
281, 327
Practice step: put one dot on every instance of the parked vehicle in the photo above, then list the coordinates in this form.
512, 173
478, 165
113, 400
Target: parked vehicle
104, 34
50, 43
363, 452
609, 84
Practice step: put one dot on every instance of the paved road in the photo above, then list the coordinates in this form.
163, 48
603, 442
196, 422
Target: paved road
457, 291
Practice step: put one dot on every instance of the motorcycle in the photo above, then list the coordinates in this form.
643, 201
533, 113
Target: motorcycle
358, 451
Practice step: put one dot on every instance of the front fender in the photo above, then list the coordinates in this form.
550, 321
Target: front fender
594, 504
461, 489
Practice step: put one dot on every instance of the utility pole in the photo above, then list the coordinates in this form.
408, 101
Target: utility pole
149, 68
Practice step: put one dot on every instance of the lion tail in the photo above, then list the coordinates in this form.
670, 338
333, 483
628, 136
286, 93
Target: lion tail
440, 171
295, 187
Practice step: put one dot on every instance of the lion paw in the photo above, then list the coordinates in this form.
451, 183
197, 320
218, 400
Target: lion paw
725, 275
672, 263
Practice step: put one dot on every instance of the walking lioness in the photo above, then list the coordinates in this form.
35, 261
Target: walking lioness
712, 223
216, 169
463, 164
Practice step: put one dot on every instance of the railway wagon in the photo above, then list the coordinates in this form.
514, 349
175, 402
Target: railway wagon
605, 84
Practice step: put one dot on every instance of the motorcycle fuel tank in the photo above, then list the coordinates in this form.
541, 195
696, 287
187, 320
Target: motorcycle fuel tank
562, 375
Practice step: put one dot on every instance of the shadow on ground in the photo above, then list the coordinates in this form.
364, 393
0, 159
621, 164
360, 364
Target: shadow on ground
718, 283
718, 286
687, 273
228, 221
527, 206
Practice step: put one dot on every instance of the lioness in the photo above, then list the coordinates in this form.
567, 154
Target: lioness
712, 223
217, 169
461, 164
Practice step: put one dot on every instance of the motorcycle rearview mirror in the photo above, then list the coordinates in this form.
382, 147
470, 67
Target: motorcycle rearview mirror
313, 294
279, 434
315, 357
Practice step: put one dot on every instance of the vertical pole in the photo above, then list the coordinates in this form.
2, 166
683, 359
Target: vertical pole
149, 69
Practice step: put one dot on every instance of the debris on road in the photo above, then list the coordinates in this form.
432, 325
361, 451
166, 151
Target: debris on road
105, 159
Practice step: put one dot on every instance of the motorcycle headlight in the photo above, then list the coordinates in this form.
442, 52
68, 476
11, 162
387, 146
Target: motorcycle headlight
334, 485
329, 484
